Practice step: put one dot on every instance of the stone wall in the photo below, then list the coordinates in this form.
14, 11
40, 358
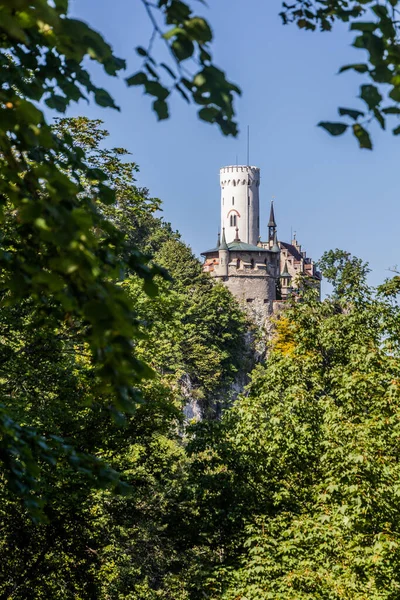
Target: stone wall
255, 293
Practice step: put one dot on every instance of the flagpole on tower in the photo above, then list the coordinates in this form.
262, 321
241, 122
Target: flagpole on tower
248, 145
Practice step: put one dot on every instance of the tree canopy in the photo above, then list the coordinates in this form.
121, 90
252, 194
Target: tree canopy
112, 337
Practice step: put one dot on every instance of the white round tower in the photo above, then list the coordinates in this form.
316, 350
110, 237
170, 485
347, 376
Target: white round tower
240, 203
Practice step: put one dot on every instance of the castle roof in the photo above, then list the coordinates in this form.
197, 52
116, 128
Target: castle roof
285, 272
292, 250
238, 247
223, 245
271, 222
275, 247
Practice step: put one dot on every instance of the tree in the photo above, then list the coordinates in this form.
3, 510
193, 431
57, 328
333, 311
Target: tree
90, 542
311, 455
55, 257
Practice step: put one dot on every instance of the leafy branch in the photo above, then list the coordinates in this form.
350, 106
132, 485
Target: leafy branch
187, 38
378, 35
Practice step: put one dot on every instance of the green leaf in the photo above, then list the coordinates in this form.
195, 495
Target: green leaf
154, 88
183, 48
394, 94
391, 110
333, 128
359, 67
103, 98
139, 78
350, 112
370, 95
379, 117
209, 114
360, 26
198, 29
182, 92
161, 109
168, 69
362, 136
59, 103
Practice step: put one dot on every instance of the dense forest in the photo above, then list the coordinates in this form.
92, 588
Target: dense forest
155, 444
290, 490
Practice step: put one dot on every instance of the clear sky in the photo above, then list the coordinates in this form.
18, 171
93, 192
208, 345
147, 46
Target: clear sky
329, 191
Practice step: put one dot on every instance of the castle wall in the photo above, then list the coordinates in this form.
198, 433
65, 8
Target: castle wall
255, 293
240, 203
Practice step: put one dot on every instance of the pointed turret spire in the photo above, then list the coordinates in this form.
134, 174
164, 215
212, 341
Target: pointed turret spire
223, 245
219, 240
275, 247
237, 238
271, 222
285, 272
271, 225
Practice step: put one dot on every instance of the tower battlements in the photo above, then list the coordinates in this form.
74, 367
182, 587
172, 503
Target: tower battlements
240, 169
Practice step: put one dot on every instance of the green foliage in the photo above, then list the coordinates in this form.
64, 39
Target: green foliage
206, 341
311, 454
346, 273
61, 249
187, 38
377, 30
114, 503
51, 252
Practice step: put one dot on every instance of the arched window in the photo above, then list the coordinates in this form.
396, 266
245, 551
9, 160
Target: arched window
233, 220
234, 182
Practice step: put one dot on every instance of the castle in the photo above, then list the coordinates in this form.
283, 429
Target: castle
259, 274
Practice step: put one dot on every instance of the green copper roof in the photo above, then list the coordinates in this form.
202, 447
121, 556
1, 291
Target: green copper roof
285, 272
243, 247
275, 247
223, 245
237, 247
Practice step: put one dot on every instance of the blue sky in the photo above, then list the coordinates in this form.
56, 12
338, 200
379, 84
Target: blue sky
329, 191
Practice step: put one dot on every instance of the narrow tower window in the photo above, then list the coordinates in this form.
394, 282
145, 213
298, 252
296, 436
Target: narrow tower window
233, 200
238, 264
252, 263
